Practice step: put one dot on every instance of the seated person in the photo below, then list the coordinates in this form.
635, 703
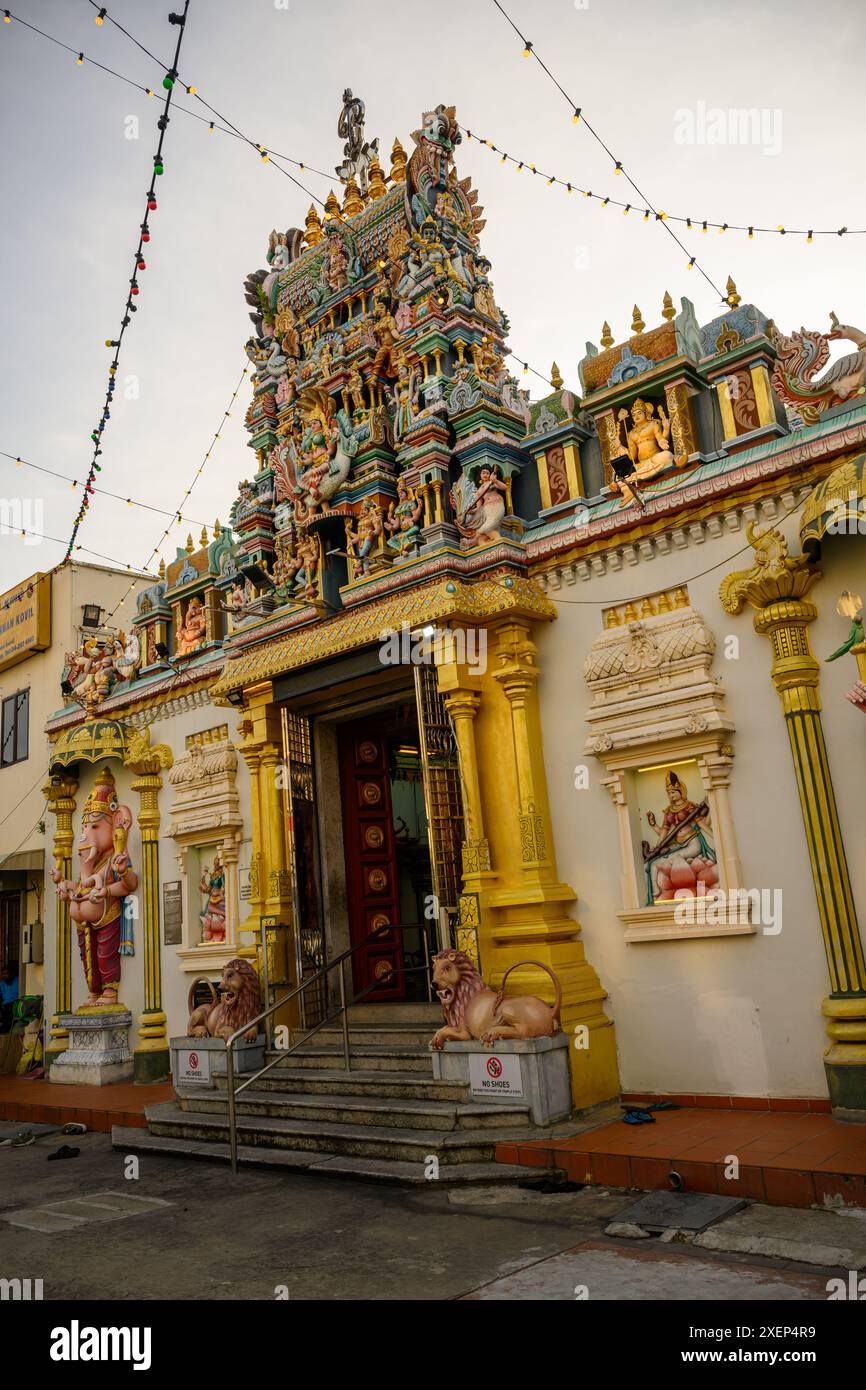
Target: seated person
8, 995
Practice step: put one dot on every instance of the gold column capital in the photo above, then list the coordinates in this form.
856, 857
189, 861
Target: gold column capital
776, 575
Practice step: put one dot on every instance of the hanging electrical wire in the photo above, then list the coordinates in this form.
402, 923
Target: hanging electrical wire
618, 166
178, 513
139, 266
646, 214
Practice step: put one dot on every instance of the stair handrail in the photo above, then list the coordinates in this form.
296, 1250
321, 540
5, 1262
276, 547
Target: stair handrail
342, 1012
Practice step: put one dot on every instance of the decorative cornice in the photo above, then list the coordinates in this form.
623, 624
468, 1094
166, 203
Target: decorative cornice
791, 472
478, 603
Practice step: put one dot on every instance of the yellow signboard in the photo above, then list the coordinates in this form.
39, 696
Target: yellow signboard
25, 620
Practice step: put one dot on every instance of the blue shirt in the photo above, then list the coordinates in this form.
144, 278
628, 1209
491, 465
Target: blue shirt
8, 991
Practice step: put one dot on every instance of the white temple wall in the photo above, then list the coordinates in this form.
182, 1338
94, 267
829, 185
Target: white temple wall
737, 1015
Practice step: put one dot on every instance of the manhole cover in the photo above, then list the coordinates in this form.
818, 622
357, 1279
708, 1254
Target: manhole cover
686, 1211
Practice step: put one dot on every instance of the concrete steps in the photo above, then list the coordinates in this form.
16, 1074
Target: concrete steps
350, 1109
378, 1035
313, 1081
384, 1119
403, 1059
333, 1137
328, 1164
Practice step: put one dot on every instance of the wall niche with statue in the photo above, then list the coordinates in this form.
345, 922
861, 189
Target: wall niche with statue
206, 824
662, 730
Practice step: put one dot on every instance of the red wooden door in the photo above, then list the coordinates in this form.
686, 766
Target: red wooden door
371, 865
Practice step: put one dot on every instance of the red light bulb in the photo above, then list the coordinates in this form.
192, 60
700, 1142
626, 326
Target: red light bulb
151, 203
141, 264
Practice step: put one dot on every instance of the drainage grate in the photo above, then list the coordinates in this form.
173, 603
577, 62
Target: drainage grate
685, 1211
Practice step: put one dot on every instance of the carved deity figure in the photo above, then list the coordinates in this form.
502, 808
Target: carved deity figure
403, 518
213, 885
359, 153
309, 553
405, 398
387, 335
356, 390
365, 537
479, 509
647, 445
192, 632
683, 860
127, 655
96, 900
91, 672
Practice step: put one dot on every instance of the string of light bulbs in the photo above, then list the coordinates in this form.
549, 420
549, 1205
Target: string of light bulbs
139, 265
264, 154
102, 491
692, 224
83, 59
198, 472
618, 166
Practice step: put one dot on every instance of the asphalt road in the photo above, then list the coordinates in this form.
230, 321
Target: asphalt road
188, 1230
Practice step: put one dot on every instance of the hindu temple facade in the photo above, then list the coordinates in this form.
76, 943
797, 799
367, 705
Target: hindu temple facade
467, 670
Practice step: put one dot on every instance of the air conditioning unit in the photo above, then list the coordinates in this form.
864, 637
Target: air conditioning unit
33, 943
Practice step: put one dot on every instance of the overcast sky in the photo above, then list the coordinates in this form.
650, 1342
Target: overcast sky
73, 191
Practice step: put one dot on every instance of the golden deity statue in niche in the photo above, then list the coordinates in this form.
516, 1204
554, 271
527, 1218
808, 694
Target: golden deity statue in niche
647, 443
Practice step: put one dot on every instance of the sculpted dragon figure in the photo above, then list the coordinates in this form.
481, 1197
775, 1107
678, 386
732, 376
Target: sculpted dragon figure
804, 354
473, 1010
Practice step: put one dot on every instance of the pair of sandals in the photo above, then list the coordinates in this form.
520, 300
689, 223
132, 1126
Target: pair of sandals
640, 1115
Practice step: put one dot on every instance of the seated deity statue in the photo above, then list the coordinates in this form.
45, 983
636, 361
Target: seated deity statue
193, 631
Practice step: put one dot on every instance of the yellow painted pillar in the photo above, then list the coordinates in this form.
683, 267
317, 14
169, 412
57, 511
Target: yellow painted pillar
729, 424
763, 393
270, 882
776, 586
60, 794
151, 1056
460, 689
523, 907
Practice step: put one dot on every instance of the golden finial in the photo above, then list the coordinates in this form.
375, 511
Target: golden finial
161, 570
376, 186
398, 163
217, 529
353, 203
668, 310
203, 538
313, 232
733, 298
332, 207
637, 323
556, 377
606, 335
189, 545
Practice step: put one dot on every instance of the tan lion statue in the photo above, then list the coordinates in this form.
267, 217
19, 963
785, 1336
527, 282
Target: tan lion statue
241, 1001
473, 1010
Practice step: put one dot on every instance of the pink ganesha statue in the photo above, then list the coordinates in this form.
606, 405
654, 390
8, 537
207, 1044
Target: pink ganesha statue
96, 901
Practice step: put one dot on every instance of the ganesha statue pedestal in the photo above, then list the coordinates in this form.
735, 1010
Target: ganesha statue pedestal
531, 1071
98, 1053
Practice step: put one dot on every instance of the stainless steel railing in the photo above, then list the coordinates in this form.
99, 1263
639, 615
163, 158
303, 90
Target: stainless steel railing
339, 963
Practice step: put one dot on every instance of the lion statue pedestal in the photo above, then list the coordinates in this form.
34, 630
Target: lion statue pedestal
199, 1061
535, 1068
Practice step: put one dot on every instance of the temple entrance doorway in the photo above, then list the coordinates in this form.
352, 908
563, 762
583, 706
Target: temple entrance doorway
387, 854
374, 828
